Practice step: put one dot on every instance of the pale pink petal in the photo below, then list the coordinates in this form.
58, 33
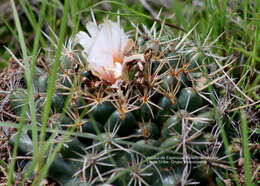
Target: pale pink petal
104, 73
92, 28
99, 58
83, 39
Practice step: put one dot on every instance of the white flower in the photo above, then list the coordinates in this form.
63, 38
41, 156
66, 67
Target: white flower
105, 47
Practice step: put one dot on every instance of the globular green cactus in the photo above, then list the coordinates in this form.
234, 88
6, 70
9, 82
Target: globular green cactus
157, 109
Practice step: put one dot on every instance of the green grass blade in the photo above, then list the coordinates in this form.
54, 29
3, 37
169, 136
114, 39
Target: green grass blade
51, 89
53, 74
246, 153
28, 75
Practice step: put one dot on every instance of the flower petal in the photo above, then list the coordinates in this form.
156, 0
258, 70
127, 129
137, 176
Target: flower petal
84, 40
99, 58
92, 28
117, 70
104, 73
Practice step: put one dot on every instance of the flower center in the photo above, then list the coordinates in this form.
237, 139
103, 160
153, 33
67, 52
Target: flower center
117, 59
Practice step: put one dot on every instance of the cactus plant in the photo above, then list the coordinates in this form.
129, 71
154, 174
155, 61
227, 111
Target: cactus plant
146, 105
